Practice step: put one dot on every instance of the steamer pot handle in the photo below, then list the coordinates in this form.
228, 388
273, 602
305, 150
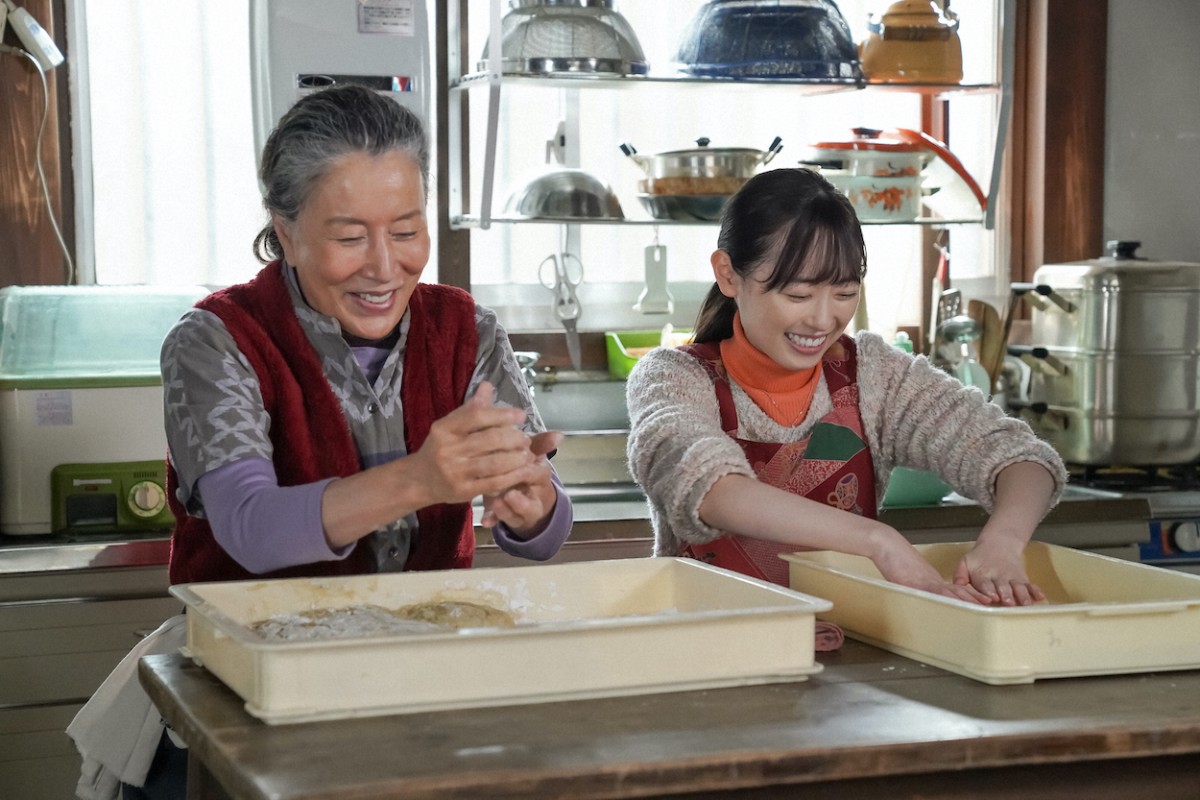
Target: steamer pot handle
1039, 358
1046, 417
1035, 292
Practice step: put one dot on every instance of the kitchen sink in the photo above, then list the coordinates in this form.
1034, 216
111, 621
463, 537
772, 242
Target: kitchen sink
590, 404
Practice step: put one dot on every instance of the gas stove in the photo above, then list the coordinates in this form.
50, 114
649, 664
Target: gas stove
1173, 495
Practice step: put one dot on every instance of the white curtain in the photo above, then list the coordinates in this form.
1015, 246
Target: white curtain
174, 197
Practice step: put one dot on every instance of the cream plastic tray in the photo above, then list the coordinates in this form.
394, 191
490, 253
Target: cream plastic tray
588, 629
1102, 615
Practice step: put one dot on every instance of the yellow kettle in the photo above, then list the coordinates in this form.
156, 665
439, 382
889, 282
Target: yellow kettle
913, 42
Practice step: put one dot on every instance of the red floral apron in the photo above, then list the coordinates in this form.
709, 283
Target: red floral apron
832, 465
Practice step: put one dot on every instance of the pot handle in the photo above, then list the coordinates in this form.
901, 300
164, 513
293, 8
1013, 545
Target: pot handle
627, 148
1039, 358
1035, 292
922, 138
773, 150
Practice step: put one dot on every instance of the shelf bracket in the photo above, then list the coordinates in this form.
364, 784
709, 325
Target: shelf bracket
495, 72
1008, 50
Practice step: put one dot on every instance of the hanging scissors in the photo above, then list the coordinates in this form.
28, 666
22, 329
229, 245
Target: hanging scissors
561, 279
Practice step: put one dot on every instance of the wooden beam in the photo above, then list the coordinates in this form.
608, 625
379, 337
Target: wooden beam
1058, 137
31, 254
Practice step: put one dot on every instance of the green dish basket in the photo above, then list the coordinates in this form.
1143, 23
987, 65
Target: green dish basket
618, 343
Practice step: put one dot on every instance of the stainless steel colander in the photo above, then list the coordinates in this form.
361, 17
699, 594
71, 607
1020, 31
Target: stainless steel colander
567, 37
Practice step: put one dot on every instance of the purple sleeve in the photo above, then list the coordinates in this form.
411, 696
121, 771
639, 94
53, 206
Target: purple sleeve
545, 544
262, 525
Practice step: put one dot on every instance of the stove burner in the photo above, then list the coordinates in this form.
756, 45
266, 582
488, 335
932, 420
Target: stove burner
1140, 479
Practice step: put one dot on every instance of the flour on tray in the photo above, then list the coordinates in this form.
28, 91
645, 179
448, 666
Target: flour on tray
365, 621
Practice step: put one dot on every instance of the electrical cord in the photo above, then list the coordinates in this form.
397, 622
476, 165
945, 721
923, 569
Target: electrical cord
4, 48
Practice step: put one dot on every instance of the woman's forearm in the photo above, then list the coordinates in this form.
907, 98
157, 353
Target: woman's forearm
743, 505
1024, 491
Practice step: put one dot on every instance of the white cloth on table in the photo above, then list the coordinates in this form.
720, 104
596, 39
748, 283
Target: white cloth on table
118, 730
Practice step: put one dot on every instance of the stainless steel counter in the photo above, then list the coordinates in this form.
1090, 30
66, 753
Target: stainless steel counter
613, 519
30, 554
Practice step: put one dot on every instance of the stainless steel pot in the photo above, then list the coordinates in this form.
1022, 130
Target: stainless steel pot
702, 169
1115, 358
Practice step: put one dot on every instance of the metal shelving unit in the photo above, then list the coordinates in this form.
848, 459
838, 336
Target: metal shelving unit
493, 81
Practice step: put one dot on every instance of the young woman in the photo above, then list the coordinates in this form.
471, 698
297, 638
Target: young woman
775, 431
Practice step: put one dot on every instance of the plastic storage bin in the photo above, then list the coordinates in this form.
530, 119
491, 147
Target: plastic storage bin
80, 388
87, 335
1103, 615
626, 347
585, 629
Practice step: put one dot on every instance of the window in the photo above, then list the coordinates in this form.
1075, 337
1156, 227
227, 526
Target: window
167, 190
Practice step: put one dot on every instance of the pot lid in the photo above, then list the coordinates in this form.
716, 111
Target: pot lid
1121, 255
870, 139
702, 149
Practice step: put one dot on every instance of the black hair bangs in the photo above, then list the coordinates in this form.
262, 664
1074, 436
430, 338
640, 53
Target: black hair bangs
824, 246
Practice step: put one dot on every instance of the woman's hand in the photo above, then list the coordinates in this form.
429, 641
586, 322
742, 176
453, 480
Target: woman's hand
995, 567
526, 507
477, 449
899, 562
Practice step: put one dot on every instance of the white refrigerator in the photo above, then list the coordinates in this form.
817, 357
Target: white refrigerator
298, 46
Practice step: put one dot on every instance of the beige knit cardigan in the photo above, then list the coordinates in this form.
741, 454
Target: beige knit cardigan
915, 415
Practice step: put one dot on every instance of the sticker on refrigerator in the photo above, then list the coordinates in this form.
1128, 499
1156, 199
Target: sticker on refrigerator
53, 408
392, 17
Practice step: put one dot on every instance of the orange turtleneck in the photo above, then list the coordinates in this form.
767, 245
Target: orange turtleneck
784, 394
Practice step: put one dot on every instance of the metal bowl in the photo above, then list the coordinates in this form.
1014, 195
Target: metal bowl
684, 207
805, 40
567, 38
565, 194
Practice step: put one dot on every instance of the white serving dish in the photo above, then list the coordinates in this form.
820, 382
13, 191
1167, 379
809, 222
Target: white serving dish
1103, 615
585, 629
880, 199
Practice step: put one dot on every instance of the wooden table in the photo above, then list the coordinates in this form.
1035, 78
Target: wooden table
871, 724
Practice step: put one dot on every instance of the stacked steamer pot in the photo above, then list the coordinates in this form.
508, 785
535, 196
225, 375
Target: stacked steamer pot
1116, 359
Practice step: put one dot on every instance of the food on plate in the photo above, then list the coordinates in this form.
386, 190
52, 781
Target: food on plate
687, 185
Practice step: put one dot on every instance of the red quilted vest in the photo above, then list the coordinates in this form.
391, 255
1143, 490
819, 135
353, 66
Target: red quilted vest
309, 434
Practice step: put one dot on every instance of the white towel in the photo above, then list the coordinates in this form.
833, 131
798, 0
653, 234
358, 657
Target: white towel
117, 732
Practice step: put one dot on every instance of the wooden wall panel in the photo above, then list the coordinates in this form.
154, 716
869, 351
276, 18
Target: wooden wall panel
29, 250
1058, 133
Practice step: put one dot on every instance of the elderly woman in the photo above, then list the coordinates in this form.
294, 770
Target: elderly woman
334, 415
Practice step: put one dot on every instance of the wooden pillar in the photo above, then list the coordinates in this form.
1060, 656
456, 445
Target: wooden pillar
1058, 133
29, 250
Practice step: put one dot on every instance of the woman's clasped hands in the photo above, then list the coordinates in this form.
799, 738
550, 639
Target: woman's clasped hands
479, 449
